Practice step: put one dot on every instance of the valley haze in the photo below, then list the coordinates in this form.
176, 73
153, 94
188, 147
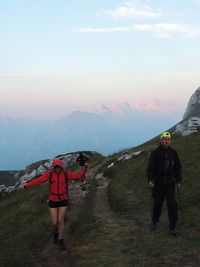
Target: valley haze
23, 140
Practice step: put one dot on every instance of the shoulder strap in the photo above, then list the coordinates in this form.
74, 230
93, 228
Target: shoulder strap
171, 156
66, 177
50, 176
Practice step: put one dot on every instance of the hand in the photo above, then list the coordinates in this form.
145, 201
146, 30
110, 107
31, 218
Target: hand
151, 184
22, 187
86, 166
178, 185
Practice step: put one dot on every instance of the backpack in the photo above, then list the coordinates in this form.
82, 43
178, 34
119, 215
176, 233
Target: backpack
50, 181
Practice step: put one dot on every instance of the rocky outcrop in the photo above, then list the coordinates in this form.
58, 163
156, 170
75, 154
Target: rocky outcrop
193, 107
8, 189
67, 160
191, 119
38, 168
189, 126
125, 156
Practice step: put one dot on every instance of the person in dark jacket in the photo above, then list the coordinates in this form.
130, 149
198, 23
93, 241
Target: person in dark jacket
81, 160
164, 174
58, 196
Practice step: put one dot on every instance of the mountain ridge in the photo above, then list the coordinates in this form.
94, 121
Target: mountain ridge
106, 134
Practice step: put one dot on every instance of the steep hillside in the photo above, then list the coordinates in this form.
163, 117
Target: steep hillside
121, 236
8, 178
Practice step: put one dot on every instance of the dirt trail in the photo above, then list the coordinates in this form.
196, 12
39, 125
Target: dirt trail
51, 256
101, 206
103, 244
113, 227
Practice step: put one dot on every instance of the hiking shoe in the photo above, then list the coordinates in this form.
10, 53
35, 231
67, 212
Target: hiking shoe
62, 244
55, 238
153, 226
83, 187
173, 231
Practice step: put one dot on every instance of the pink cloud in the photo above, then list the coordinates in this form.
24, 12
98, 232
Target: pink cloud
151, 105
124, 107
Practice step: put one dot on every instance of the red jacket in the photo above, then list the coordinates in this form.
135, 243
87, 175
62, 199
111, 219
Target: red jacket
58, 188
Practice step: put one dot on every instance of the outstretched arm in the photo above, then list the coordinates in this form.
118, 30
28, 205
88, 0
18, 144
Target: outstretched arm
39, 180
73, 175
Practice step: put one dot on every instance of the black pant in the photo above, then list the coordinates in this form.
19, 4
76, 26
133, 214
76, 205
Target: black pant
159, 193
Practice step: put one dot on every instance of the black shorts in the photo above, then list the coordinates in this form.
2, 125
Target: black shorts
57, 204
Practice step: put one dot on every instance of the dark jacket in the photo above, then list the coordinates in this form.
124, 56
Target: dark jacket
164, 166
82, 159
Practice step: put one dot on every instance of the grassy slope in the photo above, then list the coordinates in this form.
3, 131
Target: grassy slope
25, 225
128, 192
123, 238
7, 178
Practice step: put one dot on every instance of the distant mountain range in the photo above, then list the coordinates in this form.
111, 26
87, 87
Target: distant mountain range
23, 141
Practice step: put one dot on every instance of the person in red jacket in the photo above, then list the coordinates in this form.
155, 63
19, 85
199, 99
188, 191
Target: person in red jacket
58, 196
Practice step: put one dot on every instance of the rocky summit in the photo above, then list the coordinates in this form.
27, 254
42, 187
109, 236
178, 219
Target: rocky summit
191, 118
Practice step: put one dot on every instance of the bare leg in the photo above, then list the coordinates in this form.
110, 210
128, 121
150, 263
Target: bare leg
61, 220
54, 216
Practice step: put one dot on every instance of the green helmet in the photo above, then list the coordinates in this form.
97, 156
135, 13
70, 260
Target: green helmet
165, 135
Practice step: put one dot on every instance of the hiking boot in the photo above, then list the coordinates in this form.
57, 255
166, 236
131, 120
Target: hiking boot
83, 188
153, 226
62, 244
173, 231
55, 238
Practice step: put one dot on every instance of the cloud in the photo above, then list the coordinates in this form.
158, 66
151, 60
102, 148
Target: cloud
127, 107
147, 106
167, 30
101, 30
159, 30
132, 9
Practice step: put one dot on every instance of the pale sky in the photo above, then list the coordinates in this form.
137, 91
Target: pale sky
61, 56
